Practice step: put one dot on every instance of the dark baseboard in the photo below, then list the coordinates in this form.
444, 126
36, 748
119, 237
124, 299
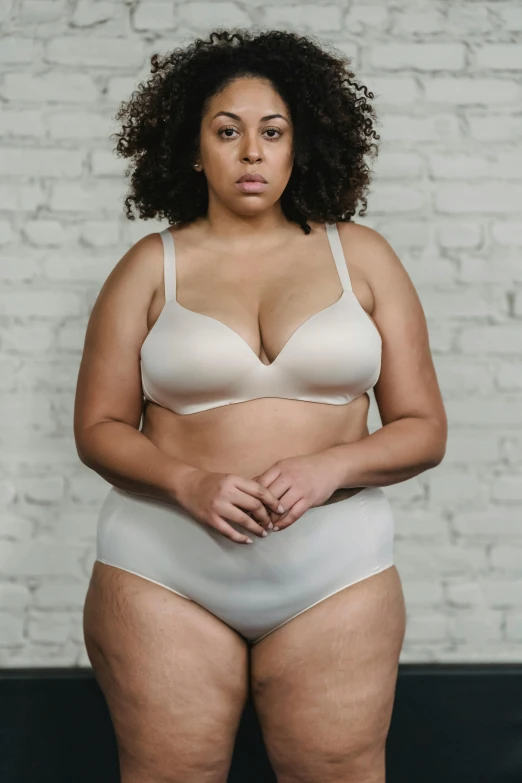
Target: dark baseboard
451, 723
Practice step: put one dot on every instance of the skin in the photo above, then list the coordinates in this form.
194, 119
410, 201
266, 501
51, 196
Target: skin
175, 677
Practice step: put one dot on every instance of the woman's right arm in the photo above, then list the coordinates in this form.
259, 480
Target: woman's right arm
109, 401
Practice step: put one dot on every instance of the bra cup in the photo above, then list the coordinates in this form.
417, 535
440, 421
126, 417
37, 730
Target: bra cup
192, 362
332, 357
179, 359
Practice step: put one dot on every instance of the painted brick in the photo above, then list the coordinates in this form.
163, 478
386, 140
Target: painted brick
418, 56
465, 91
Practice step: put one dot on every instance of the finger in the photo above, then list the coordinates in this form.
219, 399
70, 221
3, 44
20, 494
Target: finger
276, 518
228, 531
262, 515
255, 507
292, 515
237, 515
281, 488
266, 523
261, 493
269, 476
287, 497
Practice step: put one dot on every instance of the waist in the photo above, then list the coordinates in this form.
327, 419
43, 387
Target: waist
246, 439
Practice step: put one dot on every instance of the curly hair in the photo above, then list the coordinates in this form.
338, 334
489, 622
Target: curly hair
333, 125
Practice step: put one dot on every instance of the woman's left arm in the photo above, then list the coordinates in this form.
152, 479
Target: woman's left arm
414, 432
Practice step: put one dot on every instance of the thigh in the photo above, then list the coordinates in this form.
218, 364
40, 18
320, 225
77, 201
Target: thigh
324, 684
174, 676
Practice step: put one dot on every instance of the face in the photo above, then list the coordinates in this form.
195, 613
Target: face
247, 129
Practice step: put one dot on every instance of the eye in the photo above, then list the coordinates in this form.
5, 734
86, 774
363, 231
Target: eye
225, 129
267, 130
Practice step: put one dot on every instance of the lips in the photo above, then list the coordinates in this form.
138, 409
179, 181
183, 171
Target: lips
251, 178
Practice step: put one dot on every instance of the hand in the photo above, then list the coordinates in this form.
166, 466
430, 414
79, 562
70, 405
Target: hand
299, 483
212, 498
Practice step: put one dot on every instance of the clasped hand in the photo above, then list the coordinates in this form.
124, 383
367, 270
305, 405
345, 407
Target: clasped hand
299, 483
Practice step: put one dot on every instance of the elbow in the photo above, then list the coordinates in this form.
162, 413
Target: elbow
84, 444
438, 441
83, 452
437, 457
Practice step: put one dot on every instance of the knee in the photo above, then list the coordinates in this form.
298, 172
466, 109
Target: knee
177, 770
363, 767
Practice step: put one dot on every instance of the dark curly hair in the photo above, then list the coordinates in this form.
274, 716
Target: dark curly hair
333, 125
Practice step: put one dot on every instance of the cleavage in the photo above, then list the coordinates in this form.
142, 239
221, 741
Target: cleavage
280, 317
267, 305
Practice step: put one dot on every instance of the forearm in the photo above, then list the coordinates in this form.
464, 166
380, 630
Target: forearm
127, 459
396, 452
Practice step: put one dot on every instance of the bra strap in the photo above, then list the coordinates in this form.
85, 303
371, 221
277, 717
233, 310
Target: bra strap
169, 264
337, 252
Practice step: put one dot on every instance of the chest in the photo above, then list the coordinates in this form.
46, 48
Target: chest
264, 304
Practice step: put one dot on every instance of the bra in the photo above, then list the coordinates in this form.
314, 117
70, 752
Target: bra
191, 362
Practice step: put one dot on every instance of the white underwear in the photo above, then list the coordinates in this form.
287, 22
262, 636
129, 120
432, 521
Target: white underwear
254, 588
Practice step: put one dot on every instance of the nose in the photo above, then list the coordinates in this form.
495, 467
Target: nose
251, 148
252, 157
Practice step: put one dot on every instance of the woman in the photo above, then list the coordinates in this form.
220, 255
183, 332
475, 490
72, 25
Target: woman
247, 334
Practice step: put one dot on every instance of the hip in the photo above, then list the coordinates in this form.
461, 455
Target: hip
357, 529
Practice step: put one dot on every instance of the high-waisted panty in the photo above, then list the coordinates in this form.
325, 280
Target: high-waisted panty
254, 588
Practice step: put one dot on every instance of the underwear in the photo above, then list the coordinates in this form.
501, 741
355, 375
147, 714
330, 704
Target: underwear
254, 588
191, 362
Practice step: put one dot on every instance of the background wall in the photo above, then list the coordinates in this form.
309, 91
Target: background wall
447, 194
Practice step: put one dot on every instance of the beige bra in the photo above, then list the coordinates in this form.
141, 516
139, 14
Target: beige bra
191, 362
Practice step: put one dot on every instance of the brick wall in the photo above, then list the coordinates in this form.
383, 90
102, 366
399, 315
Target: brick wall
447, 194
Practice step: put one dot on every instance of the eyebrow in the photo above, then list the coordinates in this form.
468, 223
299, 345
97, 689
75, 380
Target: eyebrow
238, 118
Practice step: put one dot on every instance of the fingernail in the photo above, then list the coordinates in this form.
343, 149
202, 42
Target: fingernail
264, 533
280, 509
249, 541
270, 526
276, 528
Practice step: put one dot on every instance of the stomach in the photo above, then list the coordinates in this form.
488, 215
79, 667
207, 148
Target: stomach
247, 438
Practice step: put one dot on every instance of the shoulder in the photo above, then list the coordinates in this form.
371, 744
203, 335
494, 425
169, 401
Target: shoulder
145, 256
134, 281
364, 242
374, 259
140, 267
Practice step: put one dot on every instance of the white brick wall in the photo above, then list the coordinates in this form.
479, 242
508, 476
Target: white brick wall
447, 193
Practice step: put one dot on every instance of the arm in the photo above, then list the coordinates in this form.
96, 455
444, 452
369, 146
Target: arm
414, 432
109, 401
